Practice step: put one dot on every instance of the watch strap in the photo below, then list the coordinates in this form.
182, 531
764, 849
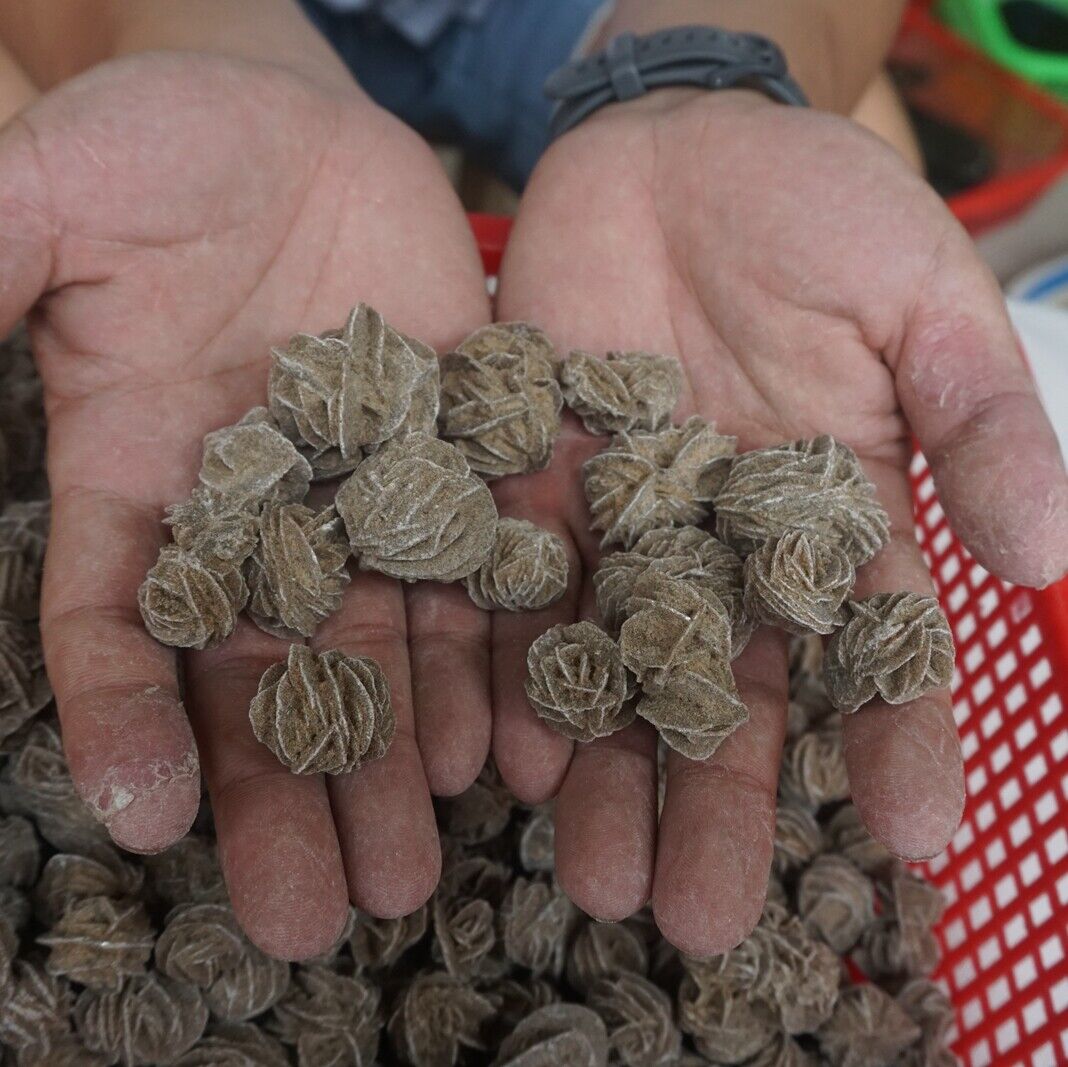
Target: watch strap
700, 56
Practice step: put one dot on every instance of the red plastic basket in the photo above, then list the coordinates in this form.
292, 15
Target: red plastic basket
1005, 874
1025, 128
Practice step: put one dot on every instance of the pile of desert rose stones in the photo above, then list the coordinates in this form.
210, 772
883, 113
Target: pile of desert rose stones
108, 958
410, 445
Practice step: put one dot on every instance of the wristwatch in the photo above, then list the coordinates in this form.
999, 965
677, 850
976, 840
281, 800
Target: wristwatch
700, 56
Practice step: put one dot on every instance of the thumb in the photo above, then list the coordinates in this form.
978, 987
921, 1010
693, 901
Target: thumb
28, 227
965, 388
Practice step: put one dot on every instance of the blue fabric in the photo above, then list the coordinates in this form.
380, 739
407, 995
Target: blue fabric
477, 83
419, 21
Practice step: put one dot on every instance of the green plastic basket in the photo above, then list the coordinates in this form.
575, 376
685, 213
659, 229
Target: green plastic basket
983, 23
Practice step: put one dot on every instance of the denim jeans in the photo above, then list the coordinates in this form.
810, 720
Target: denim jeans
478, 84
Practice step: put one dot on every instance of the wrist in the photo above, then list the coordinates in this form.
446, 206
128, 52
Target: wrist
270, 31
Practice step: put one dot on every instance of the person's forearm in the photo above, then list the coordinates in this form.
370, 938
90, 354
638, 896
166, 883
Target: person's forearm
834, 47
55, 39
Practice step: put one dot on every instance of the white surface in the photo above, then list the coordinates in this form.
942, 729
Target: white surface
1044, 333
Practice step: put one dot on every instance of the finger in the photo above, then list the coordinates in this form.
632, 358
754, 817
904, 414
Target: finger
448, 643
531, 757
606, 824
970, 399
28, 229
277, 843
904, 760
384, 815
125, 732
718, 824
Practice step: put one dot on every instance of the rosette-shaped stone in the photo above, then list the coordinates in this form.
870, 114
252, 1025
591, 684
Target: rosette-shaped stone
536, 921
323, 714
520, 338
813, 771
516, 999
64, 1050
815, 485
577, 682
867, 1029
415, 511
186, 604
526, 571
605, 950
850, 837
500, 402
187, 873
351, 389
929, 1008
781, 966
216, 529
798, 838
627, 391
901, 943
798, 583
377, 944
647, 481
835, 901
329, 1017
100, 942
151, 1020
686, 552
234, 1045
896, 646
436, 1017
671, 627
23, 535
725, 1026
677, 641
68, 878
253, 462
465, 909
37, 784
202, 944
36, 1011
537, 842
481, 812
784, 1051
20, 851
558, 1035
297, 572
640, 1021
24, 686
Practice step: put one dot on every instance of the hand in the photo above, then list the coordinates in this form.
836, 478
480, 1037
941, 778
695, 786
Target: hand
170, 217
810, 284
